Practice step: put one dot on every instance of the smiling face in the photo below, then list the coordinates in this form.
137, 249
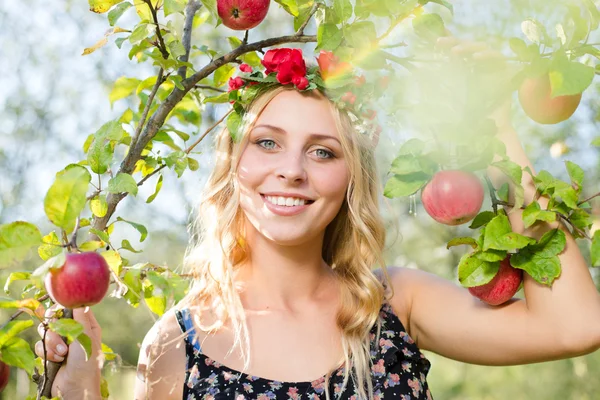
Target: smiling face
293, 156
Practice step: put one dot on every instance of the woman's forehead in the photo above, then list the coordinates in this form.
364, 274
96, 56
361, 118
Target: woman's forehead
292, 111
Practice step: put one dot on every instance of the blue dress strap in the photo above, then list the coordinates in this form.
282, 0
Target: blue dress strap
187, 326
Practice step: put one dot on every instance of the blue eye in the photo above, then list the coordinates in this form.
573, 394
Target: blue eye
261, 142
327, 154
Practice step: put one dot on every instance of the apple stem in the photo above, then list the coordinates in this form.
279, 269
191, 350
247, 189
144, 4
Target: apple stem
492, 190
245, 41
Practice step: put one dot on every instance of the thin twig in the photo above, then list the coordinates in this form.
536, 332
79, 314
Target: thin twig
395, 23
312, 12
209, 88
161, 43
188, 150
191, 9
45, 380
159, 81
588, 199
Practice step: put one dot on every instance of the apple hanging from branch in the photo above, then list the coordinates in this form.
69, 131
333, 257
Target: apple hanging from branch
4, 375
535, 96
453, 197
81, 281
241, 15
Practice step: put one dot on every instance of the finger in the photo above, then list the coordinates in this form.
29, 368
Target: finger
91, 327
50, 354
53, 341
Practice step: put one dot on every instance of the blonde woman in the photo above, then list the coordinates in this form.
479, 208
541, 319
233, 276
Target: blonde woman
287, 302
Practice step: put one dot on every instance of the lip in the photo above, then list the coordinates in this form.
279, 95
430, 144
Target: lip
284, 194
284, 211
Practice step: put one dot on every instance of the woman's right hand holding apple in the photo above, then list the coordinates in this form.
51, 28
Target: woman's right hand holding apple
77, 378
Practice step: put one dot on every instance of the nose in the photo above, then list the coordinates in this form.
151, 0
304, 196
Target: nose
292, 169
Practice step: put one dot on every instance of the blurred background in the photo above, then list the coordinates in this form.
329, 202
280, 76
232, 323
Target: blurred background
52, 98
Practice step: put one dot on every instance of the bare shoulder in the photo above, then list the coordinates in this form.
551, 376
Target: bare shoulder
162, 361
404, 282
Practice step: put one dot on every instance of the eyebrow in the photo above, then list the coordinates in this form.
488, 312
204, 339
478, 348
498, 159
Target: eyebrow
312, 135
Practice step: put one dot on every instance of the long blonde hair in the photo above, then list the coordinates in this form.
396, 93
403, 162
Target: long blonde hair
353, 246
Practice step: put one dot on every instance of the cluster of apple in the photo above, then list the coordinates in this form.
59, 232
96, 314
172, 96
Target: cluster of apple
454, 197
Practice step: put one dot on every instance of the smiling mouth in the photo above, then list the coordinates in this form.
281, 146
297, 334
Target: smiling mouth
297, 202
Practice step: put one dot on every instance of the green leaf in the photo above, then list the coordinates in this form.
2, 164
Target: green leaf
139, 227
234, 122
101, 234
519, 47
127, 246
134, 284
534, 31
114, 260
109, 353
16, 240
140, 32
156, 190
13, 328
66, 197
157, 303
290, 6
595, 249
102, 6
343, 9
122, 183
99, 206
67, 327
16, 352
99, 157
429, 26
473, 271
117, 12
123, 88
550, 244
533, 213
511, 169
91, 245
491, 255
405, 164
462, 240
575, 173
173, 6
360, 35
404, 185
86, 343
502, 193
581, 219
596, 142
329, 37
570, 77
543, 270
481, 219
499, 235
211, 6
15, 276
112, 130
566, 193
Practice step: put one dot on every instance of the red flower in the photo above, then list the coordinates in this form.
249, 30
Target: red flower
287, 63
330, 65
301, 82
360, 80
348, 97
235, 83
245, 68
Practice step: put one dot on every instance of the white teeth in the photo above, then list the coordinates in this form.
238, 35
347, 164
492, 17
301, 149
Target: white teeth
285, 201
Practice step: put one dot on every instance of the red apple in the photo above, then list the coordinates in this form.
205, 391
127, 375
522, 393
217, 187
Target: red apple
82, 280
502, 288
453, 197
241, 15
4, 375
534, 96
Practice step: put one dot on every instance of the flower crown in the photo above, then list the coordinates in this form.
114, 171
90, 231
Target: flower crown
286, 66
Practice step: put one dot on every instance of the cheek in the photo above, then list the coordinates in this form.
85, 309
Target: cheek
334, 183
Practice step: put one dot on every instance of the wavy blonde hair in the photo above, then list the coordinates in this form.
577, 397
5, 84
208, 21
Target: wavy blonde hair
353, 246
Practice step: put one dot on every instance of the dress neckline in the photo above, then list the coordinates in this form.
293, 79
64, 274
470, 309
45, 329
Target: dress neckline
253, 378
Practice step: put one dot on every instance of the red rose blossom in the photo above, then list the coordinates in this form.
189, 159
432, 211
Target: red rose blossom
245, 68
235, 83
348, 97
287, 63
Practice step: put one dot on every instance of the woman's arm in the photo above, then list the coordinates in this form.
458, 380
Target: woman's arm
550, 323
162, 362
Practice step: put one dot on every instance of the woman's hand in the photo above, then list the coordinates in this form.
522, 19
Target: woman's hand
77, 378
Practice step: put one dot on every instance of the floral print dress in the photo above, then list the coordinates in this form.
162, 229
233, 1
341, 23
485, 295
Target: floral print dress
399, 371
